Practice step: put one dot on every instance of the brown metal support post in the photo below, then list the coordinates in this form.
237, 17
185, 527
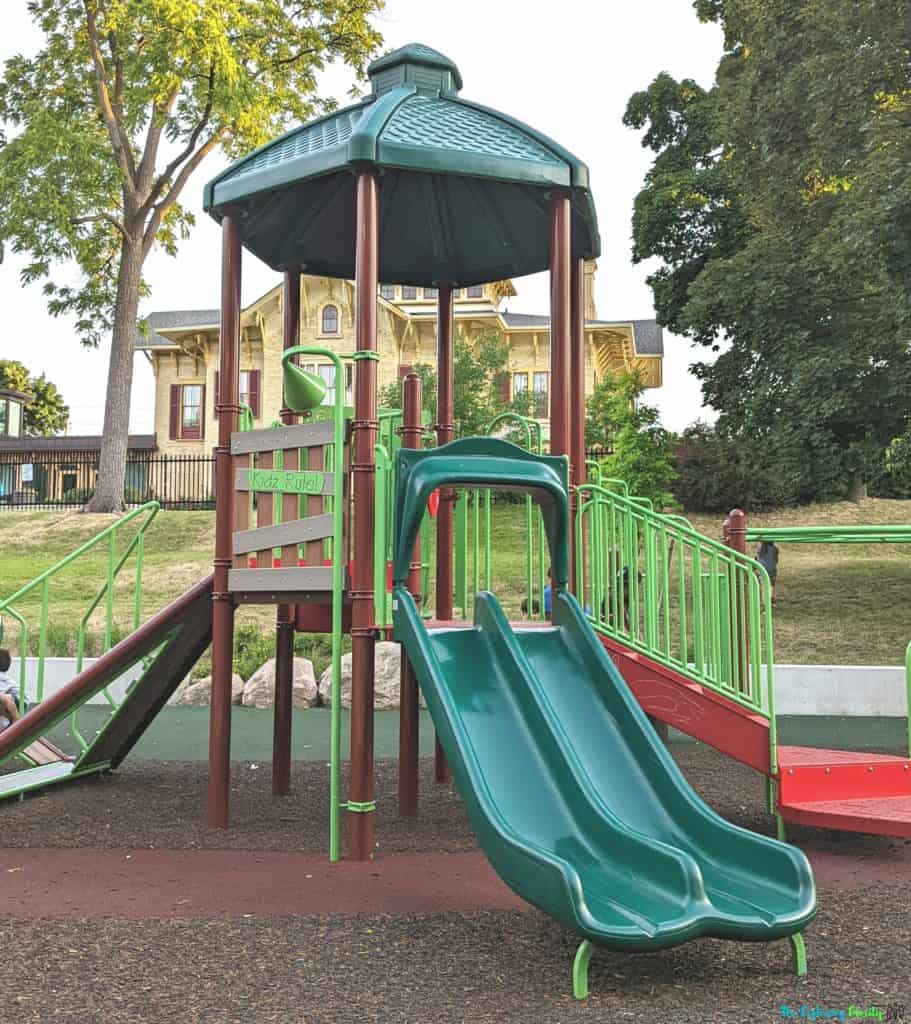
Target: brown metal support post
284, 623
445, 429
560, 323
363, 471
222, 601
412, 437
577, 399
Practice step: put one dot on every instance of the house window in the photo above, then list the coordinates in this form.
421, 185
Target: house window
519, 384
408, 292
10, 418
187, 421
430, 293
476, 291
191, 412
387, 291
330, 320
541, 382
456, 293
327, 372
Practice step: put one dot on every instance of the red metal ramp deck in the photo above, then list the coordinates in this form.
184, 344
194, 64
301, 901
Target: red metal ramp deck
848, 790
851, 791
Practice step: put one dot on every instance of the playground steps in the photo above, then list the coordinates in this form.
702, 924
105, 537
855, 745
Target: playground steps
847, 790
42, 751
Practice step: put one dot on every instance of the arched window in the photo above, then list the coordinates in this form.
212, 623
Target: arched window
330, 320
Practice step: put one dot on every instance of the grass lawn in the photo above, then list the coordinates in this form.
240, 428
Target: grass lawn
836, 604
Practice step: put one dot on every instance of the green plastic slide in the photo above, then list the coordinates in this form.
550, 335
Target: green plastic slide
576, 802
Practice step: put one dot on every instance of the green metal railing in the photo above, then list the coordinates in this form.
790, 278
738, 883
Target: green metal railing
690, 603
40, 589
473, 529
830, 534
908, 693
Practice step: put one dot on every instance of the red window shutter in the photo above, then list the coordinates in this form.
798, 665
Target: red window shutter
405, 369
174, 419
254, 393
505, 384
202, 412
216, 389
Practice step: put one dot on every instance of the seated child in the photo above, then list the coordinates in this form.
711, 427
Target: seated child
9, 692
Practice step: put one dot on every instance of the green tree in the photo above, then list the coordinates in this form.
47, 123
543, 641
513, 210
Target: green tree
642, 451
112, 117
780, 205
479, 371
47, 413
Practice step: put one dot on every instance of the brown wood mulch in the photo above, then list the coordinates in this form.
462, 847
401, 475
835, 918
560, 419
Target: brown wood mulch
468, 966
481, 966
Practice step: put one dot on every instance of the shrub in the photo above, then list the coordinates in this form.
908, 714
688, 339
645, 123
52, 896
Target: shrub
718, 473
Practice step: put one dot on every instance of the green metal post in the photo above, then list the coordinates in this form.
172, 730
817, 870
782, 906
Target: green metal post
908, 693
581, 963
461, 552
799, 954
42, 643
338, 584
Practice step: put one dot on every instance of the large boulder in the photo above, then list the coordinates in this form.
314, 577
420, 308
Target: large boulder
387, 668
260, 689
198, 693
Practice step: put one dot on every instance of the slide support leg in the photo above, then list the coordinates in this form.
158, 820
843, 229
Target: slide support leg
580, 969
780, 831
800, 954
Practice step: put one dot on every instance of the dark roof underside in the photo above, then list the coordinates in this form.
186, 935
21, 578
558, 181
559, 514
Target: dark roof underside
464, 190
427, 236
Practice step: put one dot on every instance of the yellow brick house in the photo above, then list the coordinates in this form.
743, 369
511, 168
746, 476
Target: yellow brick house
182, 347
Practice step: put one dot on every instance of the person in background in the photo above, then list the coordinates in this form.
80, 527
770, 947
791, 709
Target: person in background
535, 608
9, 692
767, 556
548, 593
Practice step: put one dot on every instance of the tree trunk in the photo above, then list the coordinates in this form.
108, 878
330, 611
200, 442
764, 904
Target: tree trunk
108, 496
857, 488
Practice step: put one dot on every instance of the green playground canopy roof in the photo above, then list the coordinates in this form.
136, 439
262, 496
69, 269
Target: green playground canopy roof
464, 190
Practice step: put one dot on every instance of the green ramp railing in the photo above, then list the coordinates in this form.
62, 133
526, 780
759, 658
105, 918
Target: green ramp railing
690, 603
36, 597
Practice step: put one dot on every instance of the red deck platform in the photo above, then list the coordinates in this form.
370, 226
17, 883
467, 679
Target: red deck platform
851, 791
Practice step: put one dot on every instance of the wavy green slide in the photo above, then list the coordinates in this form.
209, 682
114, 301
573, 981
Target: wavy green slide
573, 797
575, 800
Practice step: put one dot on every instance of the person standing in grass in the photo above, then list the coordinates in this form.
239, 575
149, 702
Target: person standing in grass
9, 692
767, 556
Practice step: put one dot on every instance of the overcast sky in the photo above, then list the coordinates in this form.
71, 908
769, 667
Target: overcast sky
567, 69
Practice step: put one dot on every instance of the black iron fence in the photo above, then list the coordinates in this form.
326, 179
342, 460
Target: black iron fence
598, 453
48, 480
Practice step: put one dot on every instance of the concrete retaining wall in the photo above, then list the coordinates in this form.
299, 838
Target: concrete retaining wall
59, 671
805, 690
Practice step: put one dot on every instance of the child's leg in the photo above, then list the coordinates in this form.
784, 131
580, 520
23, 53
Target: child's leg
9, 706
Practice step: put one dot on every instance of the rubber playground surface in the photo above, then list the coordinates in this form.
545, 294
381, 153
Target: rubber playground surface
119, 905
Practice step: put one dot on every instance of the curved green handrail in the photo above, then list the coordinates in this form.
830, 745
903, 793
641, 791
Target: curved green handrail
42, 582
